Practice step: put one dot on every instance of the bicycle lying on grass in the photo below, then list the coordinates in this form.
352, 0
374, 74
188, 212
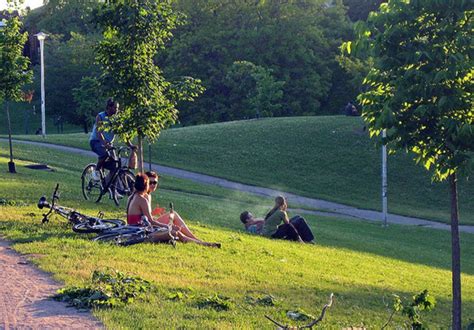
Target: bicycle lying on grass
129, 235
80, 223
116, 179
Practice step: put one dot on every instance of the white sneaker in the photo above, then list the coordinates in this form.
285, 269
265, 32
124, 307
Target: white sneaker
96, 175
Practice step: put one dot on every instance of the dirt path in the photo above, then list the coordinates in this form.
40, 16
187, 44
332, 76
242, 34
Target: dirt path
324, 208
24, 294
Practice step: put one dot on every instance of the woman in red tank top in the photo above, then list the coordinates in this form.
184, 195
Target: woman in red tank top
139, 205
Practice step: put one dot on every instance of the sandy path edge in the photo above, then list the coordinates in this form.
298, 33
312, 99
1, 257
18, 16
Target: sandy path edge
24, 297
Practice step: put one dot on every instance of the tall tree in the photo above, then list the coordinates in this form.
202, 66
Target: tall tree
67, 62
89, 97
420, 91
296, 40
14, 70
358, 10
133, 33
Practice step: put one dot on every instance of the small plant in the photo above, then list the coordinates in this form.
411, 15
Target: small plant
267, 300
217, 302
113, 289
420, 302
9, 202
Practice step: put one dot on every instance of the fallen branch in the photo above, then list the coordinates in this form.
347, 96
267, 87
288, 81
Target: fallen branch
309, 325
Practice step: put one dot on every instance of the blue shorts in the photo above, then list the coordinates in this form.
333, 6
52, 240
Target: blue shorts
98, 148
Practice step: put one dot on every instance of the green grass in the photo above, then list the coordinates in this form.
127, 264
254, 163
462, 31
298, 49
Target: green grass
24, 121
323, 157
360, 262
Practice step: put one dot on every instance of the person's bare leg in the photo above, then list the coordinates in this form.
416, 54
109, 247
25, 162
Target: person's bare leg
178, 221
185, 239
184, 228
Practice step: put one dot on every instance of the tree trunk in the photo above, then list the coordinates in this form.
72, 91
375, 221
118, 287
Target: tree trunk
140, 153
85, 126
11, 164
455, 254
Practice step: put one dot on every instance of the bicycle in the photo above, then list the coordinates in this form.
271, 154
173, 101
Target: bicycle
80, 223
129, 235
120, 182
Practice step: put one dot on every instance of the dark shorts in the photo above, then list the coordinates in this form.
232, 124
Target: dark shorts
98, 148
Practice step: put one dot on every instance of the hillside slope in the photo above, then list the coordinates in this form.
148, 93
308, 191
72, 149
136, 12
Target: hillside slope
323, 157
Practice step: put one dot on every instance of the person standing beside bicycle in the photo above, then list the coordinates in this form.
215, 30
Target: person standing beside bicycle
100, 140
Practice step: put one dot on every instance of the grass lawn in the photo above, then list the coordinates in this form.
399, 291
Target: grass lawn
361, 262
25, 121
323, 157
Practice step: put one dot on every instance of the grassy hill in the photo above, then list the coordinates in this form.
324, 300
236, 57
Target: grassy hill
362, 263
323, 157
25, 120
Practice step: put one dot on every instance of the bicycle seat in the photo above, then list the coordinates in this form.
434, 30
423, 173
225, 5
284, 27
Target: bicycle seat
43, 203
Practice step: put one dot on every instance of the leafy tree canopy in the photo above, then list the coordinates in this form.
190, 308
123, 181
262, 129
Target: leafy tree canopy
14, 67
296, 40
420, 87
133, 33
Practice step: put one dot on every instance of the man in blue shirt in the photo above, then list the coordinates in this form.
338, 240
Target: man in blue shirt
99, 139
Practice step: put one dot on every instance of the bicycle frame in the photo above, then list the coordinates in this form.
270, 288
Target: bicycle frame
70, 214
118, 168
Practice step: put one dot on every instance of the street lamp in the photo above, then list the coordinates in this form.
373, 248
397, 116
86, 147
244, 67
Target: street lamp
384, 180
41, 36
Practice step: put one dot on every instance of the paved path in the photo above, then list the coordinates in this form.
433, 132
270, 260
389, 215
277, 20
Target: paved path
326, 208
24, 298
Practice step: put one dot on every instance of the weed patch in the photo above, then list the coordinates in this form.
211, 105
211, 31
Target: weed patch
108, 289
216, 302
9, 202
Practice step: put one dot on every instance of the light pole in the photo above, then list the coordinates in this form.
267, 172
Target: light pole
41, 36
384, 180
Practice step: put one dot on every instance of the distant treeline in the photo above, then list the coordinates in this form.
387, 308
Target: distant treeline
255, 58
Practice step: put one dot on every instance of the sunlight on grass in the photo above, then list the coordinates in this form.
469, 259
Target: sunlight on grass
361, 262
322, 157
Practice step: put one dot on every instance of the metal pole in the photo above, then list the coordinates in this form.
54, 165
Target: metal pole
149, 157
384, 180
43, 111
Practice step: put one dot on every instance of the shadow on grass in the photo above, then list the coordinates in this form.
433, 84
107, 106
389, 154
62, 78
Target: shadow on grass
23, 232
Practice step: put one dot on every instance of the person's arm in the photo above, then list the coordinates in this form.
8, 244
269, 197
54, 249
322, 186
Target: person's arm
145, 208
254, 222
100, 135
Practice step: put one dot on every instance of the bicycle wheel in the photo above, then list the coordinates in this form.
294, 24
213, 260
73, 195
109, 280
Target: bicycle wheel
91, 189
123, 238
123, 186
97, 225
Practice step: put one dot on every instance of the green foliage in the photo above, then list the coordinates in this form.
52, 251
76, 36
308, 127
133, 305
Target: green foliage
420, 302
66, 63
63, 17
216, 302
89, 97
14, 67
108, 289
358, 10
10, 202
265, 300
133, 32
294, 40
132, 35
420, 88
253, 92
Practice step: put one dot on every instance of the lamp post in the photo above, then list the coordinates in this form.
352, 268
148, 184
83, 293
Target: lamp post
384, 180
41, 36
